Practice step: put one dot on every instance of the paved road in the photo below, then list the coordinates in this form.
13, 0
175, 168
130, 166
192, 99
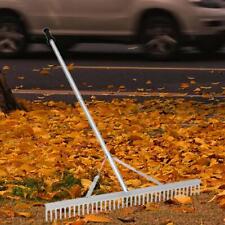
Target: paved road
115, 70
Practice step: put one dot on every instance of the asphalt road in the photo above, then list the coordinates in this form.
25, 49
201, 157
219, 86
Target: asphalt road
109, 71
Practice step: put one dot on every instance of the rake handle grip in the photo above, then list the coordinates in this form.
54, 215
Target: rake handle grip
48, 35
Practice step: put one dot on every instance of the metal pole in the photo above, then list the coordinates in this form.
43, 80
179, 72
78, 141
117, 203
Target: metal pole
88, 115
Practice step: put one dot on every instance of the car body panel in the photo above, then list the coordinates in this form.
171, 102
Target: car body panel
110, 17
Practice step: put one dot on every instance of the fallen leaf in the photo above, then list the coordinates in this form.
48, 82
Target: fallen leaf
20, 77
184, 209
38, 204
86, 183
96, 218
23, 214
71, 67
3, 173
9, 213
222, 203
77, 222
221, 194
182, 199
134, 182
75, 191
45, 71
22, 206
184, 85
197, 89
152, 207
204, 87
110, 86
56, 222
128, 219
215, 83
5, 68
191, 78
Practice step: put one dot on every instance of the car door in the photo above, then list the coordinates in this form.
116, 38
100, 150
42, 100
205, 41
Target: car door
93, 17
40, 14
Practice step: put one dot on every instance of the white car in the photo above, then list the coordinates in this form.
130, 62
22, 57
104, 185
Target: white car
161, 26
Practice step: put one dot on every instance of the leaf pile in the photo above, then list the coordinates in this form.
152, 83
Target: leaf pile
50, 152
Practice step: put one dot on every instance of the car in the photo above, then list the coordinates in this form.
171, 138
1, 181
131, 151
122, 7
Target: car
160, 26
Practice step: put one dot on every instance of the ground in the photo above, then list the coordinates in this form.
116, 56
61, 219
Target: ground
200, 212
49, 153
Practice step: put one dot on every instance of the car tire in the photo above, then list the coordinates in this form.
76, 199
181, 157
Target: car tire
160, 37
12, 36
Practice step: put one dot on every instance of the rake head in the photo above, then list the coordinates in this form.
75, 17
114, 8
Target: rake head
112, 201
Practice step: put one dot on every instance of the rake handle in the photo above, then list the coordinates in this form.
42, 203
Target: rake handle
48, 35
50, 39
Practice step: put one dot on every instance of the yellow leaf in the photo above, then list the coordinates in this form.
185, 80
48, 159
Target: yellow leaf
134, 182
5, 68
56, 222
23, 214
182, 199
184, 85
71, 67
221, 194
197, 90
75, 191
3, 173
152, 207
203, 87
22, 206
222, 203
95, 218
77, 222
7, 212
45, 71
86, 183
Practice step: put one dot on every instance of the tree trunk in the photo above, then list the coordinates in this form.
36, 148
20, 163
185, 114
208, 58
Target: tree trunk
7, 100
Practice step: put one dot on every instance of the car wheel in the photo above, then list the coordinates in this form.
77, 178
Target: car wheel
12, 36
160, 37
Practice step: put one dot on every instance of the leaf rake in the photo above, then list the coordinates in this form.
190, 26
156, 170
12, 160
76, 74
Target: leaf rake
93, 204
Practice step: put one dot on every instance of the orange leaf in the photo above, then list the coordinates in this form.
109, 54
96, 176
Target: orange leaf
3, 173
75, 191
222, 203
77, 222
134, 182
45, 71
7, 212
184, 85
94, 218
71, 67
22, 206
23, 214
181, 199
